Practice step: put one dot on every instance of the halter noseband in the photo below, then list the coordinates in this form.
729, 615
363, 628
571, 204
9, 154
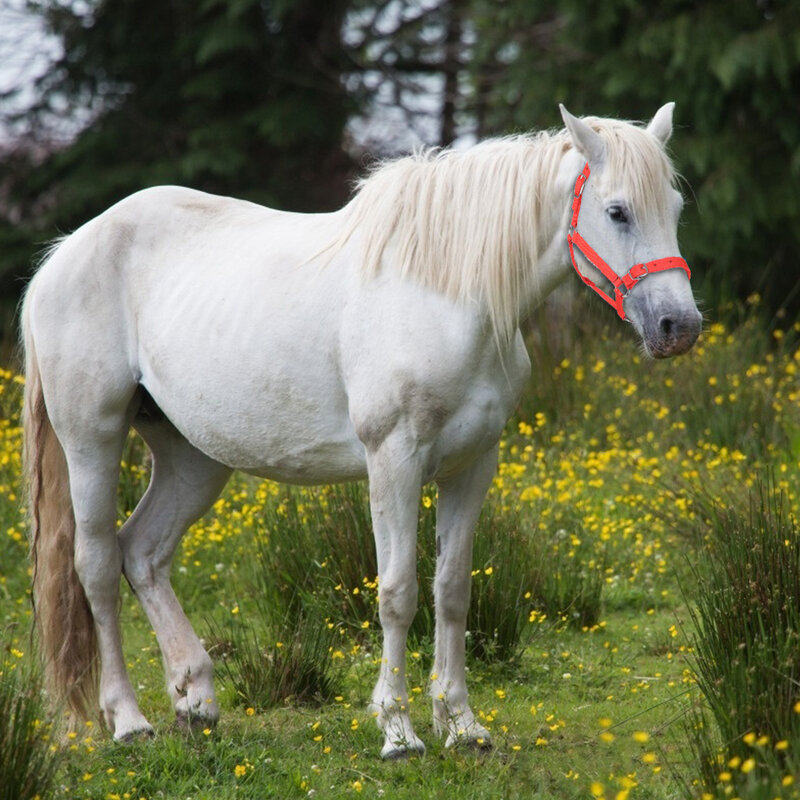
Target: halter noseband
621, 285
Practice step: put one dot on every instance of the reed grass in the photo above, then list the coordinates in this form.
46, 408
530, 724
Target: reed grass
746, 614
29, 758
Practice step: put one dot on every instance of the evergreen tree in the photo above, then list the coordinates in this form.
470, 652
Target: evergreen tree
233, 96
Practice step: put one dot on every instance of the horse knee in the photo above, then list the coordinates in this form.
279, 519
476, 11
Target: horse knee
452, 598
397, 601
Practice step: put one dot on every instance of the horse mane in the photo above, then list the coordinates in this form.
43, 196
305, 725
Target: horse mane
471, 223
638, 165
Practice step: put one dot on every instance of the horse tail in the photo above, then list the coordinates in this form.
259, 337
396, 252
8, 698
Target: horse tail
62, 614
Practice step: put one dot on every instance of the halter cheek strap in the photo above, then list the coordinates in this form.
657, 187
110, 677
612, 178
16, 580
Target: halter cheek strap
622, 285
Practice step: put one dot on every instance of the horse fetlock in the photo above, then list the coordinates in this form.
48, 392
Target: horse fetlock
391, 716
467, 732
193, 682
459, 724
127, 723
197, 705
400, 739
383, 710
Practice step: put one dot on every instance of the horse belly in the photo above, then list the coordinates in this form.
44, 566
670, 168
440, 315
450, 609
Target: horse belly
275, 429
266, 399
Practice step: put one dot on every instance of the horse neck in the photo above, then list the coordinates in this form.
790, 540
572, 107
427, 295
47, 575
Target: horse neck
552, 265
506, 244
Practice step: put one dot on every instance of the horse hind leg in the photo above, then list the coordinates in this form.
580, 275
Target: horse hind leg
183, 486
93, 463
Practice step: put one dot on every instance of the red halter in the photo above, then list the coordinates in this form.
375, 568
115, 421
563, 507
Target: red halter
621, 285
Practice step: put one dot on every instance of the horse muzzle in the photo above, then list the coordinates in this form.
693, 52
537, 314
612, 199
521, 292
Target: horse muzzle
671, 334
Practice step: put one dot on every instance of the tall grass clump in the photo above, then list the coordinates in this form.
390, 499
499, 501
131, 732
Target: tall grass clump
315, 550
290, 649
28, 759
293, 662
506, 579
571, 580
747, 650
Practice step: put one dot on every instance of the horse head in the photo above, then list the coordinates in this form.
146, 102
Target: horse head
624, 228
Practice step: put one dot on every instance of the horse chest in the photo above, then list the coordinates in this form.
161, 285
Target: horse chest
450, 421
472, 428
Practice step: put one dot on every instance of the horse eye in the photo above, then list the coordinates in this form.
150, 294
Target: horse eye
617, 214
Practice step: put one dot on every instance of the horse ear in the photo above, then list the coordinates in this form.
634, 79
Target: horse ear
661, 124
586, 141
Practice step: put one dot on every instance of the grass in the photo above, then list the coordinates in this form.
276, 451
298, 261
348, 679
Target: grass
28, 765
748, 615
272, 665
585, 656
547, 730
747, 650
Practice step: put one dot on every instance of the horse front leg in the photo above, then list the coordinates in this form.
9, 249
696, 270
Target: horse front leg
395, 486
459, 505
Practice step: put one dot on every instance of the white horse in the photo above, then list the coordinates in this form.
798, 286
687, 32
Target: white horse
380, 341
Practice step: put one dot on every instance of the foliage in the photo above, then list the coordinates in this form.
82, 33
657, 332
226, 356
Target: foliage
410, 60
232, 97
28, 761
747, 647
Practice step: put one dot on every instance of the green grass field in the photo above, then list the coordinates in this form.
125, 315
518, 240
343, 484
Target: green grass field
621, 485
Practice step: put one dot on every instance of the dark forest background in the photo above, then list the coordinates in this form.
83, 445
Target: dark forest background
285, 101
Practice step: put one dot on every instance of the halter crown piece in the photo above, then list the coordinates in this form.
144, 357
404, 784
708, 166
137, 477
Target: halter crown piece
621, 285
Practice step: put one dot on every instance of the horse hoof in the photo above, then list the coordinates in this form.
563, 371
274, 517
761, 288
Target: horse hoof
142, 734
393, 751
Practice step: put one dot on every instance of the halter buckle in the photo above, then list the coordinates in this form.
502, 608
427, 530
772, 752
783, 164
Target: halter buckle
634, 275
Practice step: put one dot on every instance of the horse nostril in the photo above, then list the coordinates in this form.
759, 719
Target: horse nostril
672, 334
